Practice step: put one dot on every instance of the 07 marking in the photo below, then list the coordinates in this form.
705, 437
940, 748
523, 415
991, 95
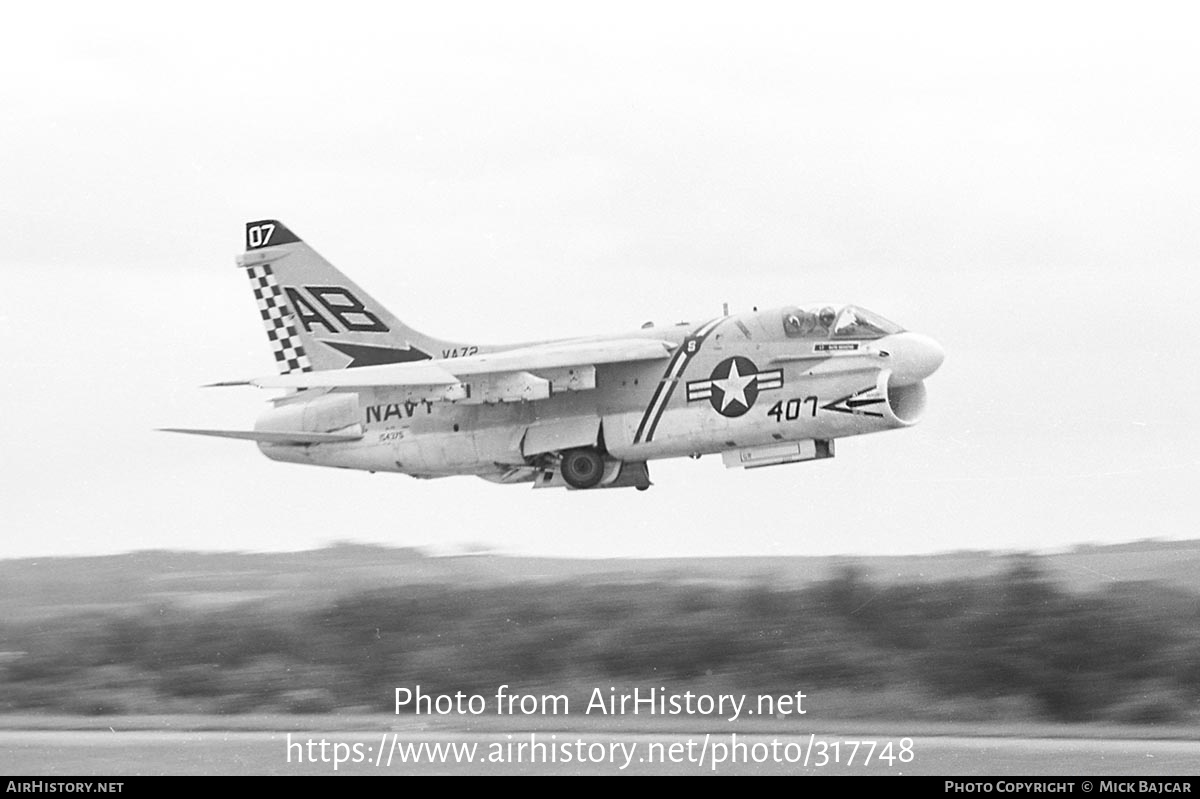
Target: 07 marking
259, 235
792, 409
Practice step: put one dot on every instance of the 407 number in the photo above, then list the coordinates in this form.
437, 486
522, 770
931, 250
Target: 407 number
792, 409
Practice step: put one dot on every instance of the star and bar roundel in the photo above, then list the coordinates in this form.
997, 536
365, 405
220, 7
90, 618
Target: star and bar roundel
734, 386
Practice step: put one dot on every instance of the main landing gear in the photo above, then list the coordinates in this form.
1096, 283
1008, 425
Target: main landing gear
582, 468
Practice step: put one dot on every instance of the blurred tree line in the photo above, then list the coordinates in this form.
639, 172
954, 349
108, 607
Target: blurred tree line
1016, 646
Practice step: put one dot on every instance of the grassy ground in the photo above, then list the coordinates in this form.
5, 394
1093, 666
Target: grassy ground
379, 722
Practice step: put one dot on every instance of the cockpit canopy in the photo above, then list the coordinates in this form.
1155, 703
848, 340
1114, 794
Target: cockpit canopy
829, 321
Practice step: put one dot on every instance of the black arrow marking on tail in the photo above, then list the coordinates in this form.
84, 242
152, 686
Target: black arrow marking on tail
367, 355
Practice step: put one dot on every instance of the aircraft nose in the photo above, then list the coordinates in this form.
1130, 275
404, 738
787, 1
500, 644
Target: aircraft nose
913, 357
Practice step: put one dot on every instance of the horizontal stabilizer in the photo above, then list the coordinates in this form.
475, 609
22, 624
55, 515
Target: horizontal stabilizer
270, 437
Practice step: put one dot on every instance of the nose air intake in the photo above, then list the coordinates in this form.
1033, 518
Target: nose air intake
906, 403
912, 357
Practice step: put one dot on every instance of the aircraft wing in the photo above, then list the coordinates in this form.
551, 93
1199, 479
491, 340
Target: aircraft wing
450, 371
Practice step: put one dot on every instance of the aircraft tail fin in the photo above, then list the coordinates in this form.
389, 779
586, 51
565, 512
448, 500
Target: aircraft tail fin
316, 317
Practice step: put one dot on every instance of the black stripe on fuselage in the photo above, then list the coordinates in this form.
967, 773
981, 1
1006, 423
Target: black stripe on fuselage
687, 351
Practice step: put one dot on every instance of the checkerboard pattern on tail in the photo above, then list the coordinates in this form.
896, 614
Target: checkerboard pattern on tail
281, 325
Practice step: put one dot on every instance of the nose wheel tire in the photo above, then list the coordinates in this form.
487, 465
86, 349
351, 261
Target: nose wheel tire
582, 468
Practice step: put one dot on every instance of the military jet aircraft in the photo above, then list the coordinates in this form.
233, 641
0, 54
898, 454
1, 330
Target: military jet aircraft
367, 392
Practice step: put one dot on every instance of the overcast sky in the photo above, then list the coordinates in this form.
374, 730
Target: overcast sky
1022, 183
